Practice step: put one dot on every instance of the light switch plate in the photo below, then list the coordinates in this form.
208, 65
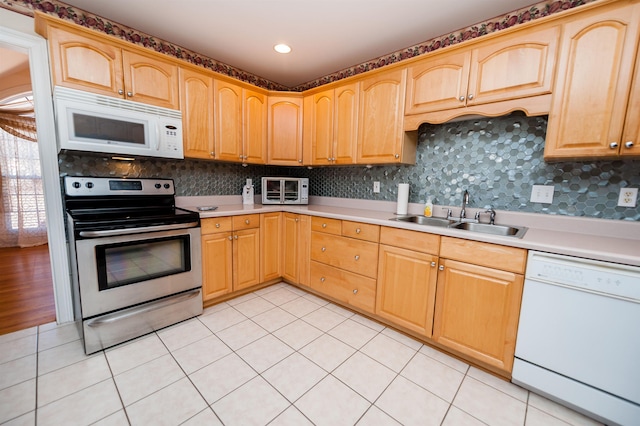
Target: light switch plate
542, 194
628, 197
376, 187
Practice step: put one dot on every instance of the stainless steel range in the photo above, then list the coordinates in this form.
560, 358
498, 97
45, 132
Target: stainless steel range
135, 257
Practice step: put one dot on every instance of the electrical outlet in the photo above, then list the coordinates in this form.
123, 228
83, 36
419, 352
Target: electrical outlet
628, 197
376, 187
542, 194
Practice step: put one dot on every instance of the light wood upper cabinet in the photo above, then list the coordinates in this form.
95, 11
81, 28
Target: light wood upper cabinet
196, 103
284, 131
381, 136
594, 78
630, 145
331, 125
228, 121
82, 61
254, 127
515, 66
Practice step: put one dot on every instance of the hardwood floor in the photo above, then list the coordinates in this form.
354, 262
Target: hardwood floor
26, 288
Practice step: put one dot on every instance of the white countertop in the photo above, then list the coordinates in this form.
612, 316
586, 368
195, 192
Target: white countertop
599, 239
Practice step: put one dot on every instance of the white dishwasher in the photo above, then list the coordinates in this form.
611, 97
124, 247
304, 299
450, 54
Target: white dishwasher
579, 336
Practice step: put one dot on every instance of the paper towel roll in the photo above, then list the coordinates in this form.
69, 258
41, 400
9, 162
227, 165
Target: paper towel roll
403, 198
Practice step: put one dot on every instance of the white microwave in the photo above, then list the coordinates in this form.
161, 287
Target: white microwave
97, 123
285, 190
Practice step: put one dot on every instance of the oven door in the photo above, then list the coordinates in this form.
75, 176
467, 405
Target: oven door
124, 270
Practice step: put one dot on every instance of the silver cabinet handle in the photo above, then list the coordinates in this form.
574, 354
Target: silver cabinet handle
324, 249
357, 230
297, 219
299, 161
355, 291
235, 236
441, 268
397, 156
213, 154
246, 221
628, 144
433, 264
470, 97
217, 225
357, 257
461, 98
120, 92
322, 279
324, 225
230, 238
613, 145
129, 94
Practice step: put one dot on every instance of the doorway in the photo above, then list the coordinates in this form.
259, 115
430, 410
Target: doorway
26, 285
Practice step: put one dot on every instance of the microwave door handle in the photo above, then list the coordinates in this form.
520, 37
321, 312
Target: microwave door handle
157, 137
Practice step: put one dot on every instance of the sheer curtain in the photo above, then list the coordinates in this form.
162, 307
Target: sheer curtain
22, 222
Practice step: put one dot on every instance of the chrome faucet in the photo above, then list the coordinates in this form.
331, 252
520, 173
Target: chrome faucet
492, 215
465, 201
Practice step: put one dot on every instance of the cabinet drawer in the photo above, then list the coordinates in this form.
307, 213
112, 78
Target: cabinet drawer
412, 240
361, 231
213, 225
330, 226
484, 254
356, 256
344, 286
246, 221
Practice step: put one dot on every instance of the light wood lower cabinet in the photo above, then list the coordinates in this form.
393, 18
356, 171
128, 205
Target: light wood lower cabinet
477, 307
270, 246
347, 287
296, 229
407, 272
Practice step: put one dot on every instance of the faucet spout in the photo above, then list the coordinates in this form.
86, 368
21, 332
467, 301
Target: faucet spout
465, 201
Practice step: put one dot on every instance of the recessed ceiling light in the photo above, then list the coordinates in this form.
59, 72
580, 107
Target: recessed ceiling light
282, 48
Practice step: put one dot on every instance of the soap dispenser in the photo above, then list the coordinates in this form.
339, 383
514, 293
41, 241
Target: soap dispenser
247, 193
428, 208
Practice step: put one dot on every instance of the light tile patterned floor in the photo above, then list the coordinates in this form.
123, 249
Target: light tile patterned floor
278, 356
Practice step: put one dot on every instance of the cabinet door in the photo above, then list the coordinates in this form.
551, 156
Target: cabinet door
322, 128
477, 311
304, 249
380, 133
246, 258
255, 127
85, 63
217, 265
196, 103
150, 80
407, 288
440, 83
228, 121
270, 246
345, 123
519, 66
285, 131
631, 137
590, 96
290, 264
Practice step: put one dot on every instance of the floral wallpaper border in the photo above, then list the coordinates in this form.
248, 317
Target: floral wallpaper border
89, 20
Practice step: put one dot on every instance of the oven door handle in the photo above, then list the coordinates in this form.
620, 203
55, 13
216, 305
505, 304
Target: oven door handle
137, 310
128, 231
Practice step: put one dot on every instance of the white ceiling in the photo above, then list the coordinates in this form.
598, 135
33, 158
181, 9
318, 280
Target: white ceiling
326, 35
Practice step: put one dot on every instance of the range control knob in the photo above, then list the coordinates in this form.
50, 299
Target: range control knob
158, 186
89, 185
167, 186
76, 185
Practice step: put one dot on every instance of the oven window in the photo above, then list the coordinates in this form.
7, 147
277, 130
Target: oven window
137, 261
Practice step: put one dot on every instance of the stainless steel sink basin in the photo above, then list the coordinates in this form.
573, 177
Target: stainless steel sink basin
423, 220
503, 230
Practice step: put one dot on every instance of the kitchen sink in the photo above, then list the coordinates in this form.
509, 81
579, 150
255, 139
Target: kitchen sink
503, 230
423, 220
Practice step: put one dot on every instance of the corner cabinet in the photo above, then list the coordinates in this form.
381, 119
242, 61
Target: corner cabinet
513, 67
381, 136
331, 125
96, 64
284, 130
592, 115
478, 299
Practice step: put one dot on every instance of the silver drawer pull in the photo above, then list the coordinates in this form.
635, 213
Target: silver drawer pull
230, 238
628, 144
322, 279
246, 221
217, 225
357, 230
613, 145
433, 264
324, 225
355, 291
357, 257
324, 249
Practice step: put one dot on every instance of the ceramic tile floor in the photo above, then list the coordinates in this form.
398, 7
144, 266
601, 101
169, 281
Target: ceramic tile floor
278, 356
